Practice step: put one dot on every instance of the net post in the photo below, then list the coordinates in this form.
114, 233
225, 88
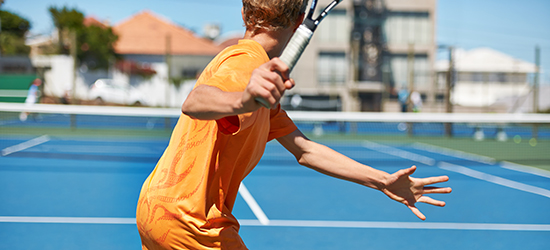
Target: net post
448, 129
73, 121
410, 129
535, 133
353, 128
167, 123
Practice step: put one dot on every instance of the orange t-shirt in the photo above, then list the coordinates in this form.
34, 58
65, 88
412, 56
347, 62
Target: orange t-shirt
186, 202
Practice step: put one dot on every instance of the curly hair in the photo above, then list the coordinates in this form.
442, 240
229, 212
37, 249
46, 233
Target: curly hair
272, 15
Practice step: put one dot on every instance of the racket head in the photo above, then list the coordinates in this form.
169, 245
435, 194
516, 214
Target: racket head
326, 11
311, 9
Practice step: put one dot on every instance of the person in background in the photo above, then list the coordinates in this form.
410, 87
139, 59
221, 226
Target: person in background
32, 97
416, 100
403, 98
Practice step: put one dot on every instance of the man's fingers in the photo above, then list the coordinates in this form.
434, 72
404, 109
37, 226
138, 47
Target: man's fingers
269, 82
406, 171
270, 86
428, 200
289, 84
434, 180
273, 89
277, 65
437, 190
417, 212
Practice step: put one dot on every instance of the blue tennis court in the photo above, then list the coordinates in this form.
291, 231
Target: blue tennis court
80, 192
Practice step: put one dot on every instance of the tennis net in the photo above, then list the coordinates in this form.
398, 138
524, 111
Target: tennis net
522, 138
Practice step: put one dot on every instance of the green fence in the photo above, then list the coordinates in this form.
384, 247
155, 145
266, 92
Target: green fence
14, 88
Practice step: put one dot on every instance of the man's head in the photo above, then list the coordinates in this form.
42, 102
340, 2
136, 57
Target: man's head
37, 82
272, 15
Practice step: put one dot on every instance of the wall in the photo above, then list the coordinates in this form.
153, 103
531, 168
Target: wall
58, 81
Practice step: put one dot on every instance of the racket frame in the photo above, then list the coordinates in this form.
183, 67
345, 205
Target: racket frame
299, 41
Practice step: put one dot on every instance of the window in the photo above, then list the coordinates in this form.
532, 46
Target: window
332, 68
464, 77
478, 77
517, 77
497, 77
400, 71
335, 28
407, 28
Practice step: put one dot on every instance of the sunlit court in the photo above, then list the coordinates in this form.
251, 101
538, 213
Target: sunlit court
263, 125
71, 178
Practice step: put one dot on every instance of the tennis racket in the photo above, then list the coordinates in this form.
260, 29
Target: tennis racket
300, 39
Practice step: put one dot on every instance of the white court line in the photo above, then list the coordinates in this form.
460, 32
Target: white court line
398, 152
453, 153
494, 179
456, 168
525, 169
256, 209
68, 220
480, 158
25, 145
299, 223
400, 225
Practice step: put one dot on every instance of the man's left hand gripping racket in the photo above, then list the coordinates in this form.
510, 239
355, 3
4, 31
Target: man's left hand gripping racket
300, 39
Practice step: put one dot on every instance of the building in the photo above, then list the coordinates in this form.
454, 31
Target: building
363, 52
484, 75
148, 38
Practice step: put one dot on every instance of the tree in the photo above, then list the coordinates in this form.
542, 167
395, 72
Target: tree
12, 35
66, 21
95, 43
97, 46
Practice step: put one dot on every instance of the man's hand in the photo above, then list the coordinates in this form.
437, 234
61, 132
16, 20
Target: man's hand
268, 82
408, 190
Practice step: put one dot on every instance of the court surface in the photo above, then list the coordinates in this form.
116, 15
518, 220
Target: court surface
80, 192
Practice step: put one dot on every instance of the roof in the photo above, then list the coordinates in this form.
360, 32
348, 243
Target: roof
90, 20
485, 60
146, 33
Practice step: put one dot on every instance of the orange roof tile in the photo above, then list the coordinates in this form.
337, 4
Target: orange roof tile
93, 21
146, 33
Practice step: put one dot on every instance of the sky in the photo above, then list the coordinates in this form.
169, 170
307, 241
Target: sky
509, 26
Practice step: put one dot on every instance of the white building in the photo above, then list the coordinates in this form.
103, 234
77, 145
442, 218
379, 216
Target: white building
484, 75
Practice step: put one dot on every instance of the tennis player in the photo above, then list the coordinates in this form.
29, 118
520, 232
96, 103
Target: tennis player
187, 201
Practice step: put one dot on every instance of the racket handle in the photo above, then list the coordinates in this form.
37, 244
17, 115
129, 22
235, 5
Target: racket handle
263, 102
296, 46
292, 52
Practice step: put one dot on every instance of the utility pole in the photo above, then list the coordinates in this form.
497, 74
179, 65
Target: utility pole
410, 67
410, 88
536, 90
1, 2
74, 46
448, 88
536, 81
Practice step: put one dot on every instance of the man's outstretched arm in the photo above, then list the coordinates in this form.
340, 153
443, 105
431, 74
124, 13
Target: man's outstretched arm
399, 186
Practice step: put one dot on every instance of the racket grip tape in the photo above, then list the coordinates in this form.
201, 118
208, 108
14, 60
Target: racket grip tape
263, 102
292, 52
296, 46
